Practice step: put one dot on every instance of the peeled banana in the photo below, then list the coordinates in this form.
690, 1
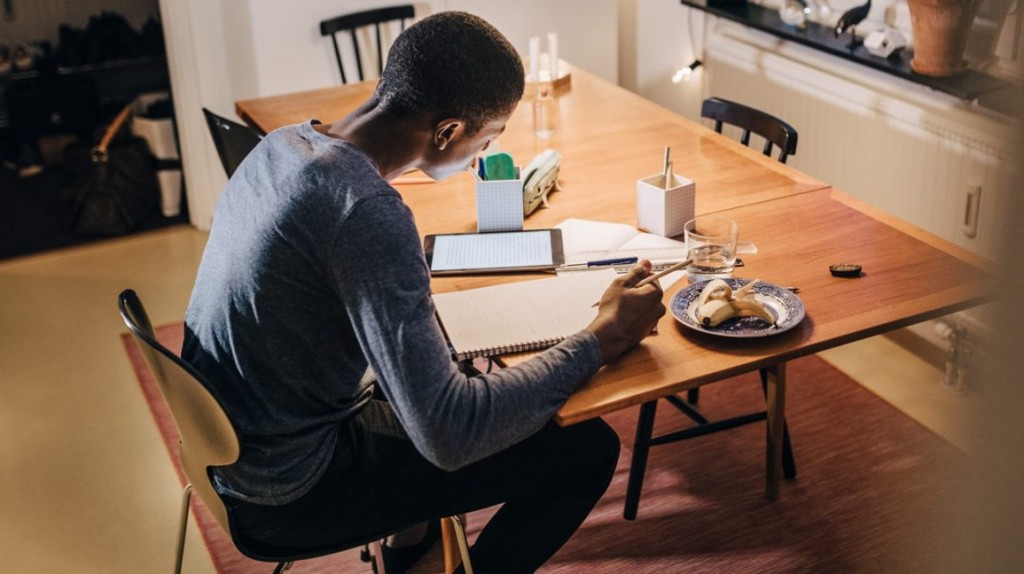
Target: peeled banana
715, 290
718, 302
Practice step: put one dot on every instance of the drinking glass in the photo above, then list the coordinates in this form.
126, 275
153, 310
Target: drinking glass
711, 243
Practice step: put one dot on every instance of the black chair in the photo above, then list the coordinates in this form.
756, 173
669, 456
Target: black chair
352, 22
772, 129
208, 438
775, 132
234, 141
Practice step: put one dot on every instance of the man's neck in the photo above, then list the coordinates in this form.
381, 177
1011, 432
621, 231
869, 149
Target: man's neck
394, 144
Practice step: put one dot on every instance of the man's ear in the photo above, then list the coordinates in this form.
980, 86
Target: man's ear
447, 131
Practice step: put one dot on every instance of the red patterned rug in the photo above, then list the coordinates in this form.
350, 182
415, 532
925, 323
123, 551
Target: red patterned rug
870, 493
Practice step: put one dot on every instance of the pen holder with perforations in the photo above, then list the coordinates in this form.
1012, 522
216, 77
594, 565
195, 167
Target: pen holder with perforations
664, 211
499, 204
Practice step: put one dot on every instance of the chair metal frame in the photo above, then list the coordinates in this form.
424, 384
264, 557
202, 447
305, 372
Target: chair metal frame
208, 439
352, 22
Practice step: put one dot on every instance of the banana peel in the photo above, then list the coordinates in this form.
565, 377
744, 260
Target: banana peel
718, 302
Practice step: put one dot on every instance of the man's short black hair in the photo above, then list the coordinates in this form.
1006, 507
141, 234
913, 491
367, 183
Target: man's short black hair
454, 64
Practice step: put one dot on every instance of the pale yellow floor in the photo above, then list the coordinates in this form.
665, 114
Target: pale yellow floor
912, 385
85, 483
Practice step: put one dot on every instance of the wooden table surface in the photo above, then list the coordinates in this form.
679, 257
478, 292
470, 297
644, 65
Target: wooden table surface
905, 281
609, 138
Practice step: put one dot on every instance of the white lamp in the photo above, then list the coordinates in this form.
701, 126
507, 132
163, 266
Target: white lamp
685, 72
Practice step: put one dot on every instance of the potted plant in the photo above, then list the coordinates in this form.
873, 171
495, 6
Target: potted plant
940, 30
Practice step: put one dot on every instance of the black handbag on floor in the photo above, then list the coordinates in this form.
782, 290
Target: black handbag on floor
113, 186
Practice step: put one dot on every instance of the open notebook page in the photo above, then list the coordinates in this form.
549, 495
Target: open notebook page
585, 240
523, 316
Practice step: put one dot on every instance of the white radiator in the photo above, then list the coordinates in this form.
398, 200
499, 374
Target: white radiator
940, 163
921, 155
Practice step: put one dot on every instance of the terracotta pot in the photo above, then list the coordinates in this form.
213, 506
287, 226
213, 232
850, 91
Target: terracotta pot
940, 30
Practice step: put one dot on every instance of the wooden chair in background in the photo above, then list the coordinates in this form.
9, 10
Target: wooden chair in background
772, 129
352, 23
775, 133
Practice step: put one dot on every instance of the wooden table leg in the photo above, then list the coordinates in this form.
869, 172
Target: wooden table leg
776, 408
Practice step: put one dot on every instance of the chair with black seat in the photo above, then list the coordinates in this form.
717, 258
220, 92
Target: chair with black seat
775, 133
233, 140
208, 439
353, 22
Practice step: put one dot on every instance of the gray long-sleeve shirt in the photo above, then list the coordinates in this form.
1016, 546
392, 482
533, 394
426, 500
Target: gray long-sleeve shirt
313, 272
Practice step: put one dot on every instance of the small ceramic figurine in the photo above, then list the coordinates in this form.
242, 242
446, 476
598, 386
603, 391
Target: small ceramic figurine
849, 21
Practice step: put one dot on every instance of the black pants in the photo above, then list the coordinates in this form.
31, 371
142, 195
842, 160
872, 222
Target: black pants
378, 481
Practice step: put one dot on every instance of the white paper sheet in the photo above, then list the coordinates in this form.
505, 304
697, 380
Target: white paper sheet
585, 240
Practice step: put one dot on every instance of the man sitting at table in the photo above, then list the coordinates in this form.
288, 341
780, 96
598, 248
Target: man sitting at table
312, 319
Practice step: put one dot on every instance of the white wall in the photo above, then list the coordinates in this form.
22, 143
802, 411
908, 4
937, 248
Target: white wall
276, 47
198, 64
228, 50
660, 37
279, 47
587, 29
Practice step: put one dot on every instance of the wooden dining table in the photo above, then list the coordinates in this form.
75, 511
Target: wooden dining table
609, 138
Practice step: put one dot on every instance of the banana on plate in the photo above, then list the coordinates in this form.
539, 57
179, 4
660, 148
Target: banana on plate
719, 302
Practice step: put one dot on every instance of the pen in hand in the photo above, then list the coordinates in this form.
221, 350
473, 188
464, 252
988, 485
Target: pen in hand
656, 276
614, 261
663, 272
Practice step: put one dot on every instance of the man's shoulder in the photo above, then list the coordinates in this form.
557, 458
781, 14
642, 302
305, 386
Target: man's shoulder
299, 158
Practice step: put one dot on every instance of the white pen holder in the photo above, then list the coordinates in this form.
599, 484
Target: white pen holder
499, 204
664, 211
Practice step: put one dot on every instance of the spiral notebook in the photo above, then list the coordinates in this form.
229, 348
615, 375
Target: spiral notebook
524, 316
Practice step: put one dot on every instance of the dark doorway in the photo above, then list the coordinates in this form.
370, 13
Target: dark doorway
62, 88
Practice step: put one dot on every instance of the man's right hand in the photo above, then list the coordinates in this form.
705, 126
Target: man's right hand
627, 313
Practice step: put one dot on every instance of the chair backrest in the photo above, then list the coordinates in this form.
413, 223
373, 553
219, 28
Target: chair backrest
234, 141
207, 435
772, 129
351, 22
209, 439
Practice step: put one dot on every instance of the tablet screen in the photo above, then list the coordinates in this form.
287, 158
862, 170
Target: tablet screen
493, 252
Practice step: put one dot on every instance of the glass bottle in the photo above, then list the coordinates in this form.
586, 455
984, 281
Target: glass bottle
545, 113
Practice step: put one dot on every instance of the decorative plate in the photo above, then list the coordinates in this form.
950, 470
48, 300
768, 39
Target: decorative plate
787, 308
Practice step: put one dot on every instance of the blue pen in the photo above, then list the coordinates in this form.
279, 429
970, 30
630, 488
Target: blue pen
618, 263
608, 262
480, 169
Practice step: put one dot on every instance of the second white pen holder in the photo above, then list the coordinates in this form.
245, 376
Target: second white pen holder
499, 204
664, 211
